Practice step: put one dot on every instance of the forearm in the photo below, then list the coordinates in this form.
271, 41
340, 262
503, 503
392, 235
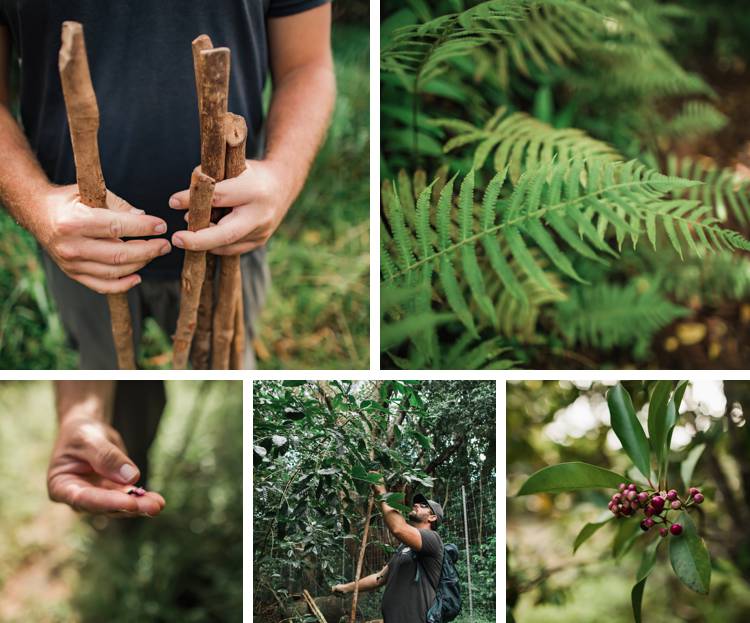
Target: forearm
87, 399
298, 118
22, 180
393, 519
366, 584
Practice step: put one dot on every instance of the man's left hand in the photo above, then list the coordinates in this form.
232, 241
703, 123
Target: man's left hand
378, 488
259, 199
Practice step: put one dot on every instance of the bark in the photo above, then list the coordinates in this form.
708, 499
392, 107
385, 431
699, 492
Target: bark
211, 67
445, 455
193, 269
83, 119
238, 341
227, 289
360, 560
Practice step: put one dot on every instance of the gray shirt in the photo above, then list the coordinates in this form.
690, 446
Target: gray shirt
407, 601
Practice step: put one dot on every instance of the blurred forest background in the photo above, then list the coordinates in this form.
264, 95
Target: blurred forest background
313, 446
515, 85
552, 422
317, 313
184, 565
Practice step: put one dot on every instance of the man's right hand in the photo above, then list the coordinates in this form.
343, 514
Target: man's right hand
339, 588
89, 471
86, 243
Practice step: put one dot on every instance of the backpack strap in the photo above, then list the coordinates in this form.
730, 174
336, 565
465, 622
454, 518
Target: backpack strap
420, 566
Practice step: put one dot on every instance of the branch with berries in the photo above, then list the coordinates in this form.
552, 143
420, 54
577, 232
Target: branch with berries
647, 501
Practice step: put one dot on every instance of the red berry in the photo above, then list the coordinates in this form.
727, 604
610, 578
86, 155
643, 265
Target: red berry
671, 495
658, 503
698, 498
632, 495
632, 487
646, 524
663, 532
627, 511
676, 504
616, 498
675, 529
643, 497
694, 490
648, 511
622, 486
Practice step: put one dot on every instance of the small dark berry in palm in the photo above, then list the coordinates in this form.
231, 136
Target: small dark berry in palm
658, 503
663, 532
676, 504
698, 498
671, 495
137, 491
675, 529
694, 490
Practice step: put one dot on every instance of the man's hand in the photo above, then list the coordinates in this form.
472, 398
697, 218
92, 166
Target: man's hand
259, 199
379, 487
86, 242
340, 589
89, 471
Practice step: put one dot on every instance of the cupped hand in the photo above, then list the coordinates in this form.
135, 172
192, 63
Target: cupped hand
259, 199
339, 588
89, 471
86, 243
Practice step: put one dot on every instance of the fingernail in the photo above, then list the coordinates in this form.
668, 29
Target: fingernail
177, 241
137, 211
173, 203
137, 279
160, 228
128, 472
164, 249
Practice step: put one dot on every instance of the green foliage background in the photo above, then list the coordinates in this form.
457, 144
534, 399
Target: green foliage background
545, 185
317, 313
547, 581
313, 446
185, 565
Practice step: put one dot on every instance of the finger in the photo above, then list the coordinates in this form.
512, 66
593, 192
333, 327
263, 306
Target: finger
150, 504
97, 500
118, 204
225, 233
104, 286
109, 461
235, 191
104, 271
180, 200
95, 223
117, 252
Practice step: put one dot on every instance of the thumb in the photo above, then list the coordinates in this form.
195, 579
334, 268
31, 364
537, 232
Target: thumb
111, 462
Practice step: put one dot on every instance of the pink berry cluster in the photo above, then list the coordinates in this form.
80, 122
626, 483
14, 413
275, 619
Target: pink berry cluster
654, 505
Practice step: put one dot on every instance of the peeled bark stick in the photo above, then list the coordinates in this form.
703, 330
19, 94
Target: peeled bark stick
361, 559
235, 130
212, 77
200, 43
83, 119
193, 269
237, 361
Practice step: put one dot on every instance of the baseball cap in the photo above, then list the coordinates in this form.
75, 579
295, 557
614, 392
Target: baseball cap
436, 509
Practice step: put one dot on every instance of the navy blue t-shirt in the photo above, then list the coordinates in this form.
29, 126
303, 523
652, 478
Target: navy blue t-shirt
142, 69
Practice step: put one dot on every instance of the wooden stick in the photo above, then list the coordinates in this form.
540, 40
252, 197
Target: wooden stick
235, 132
313, 606
237, 360
193, 269
83, 119
212, 78
361, 559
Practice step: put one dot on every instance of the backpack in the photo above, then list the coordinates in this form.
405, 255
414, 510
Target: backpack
447, 604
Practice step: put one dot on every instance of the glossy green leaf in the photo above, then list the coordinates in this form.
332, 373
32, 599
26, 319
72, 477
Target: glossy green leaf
570, 477
628, 429
690, 558
688, 465
587, 532
636, 599
648, 561
658, 426
396, 500
674, 409
628, 530
360, 473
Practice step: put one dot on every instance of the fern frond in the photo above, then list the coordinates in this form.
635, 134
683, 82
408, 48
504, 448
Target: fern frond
723, 189
696, 118
608, 316
520, 142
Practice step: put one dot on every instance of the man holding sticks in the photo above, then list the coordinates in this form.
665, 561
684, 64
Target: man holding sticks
142, 72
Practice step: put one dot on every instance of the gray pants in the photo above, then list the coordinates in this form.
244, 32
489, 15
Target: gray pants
85, 315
